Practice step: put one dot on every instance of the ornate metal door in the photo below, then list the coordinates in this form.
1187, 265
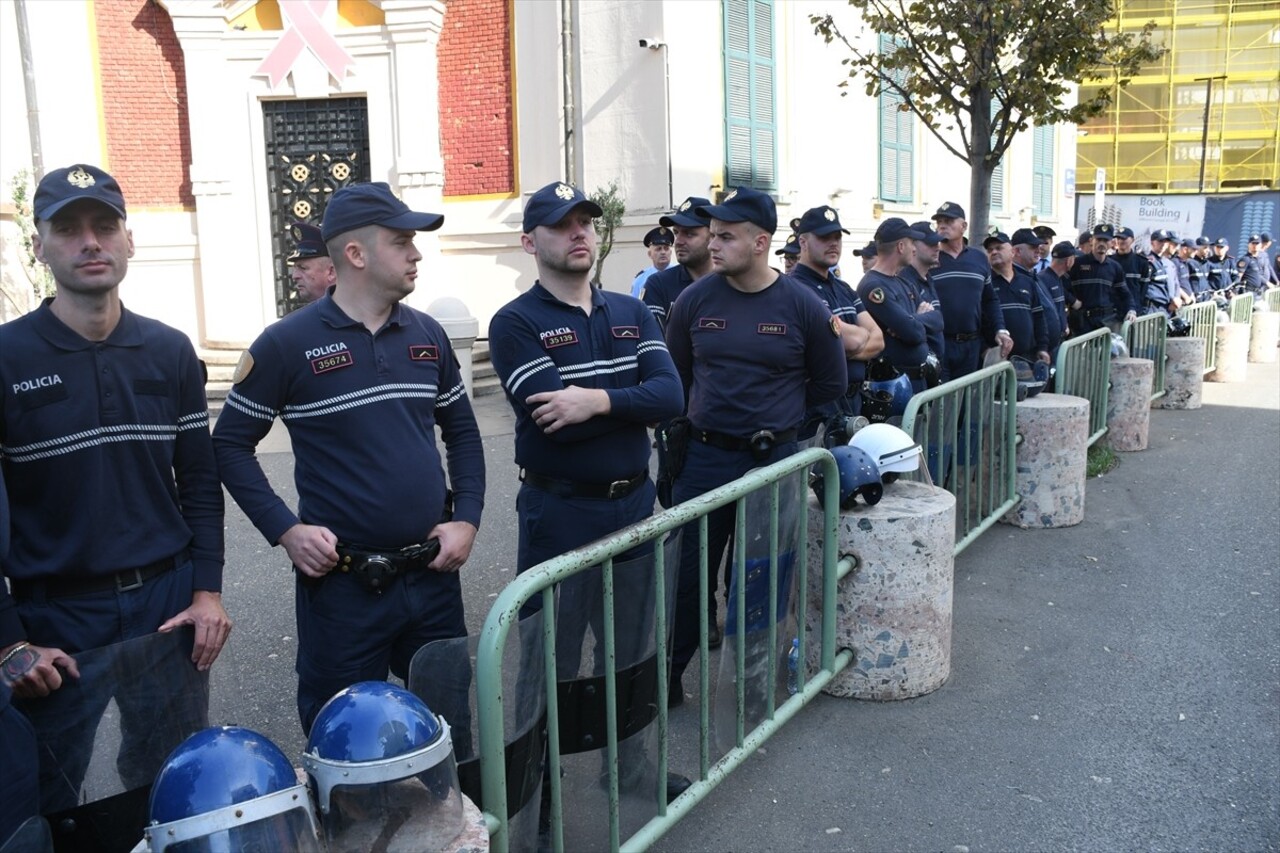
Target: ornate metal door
313, 148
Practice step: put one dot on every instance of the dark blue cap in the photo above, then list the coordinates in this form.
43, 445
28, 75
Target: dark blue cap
1063, 250
1188, 243
62, 186
819, 220
553, 202
687, 215
1266, 238
1202, 241
307, 242
745, 205
894, 228
867, 251
1025, 237
1255, 238
995, 237
791, 247
931, 237
659, 237
1045, 233
1124, 232
949, 210
1105, 230
1084, 235
1221, 241
357, 205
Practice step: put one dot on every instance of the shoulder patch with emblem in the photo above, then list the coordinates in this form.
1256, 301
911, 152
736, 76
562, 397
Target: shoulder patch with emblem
835, 325
243, 367
877, 295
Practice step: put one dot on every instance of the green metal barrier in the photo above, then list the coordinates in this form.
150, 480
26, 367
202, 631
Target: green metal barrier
1272, 298
1203, 319
968, 430
1241, 308
1084, 370
599, 556
1145, 338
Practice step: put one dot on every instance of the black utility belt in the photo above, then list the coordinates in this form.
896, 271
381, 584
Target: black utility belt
574, 489
122, 581
1098, 312
761, 442
964, 336
376, 569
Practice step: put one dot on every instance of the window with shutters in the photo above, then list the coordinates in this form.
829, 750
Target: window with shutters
997, 176
1043, 145
897, 131
751, 128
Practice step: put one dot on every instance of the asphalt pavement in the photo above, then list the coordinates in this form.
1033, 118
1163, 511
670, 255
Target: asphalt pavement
1114, 685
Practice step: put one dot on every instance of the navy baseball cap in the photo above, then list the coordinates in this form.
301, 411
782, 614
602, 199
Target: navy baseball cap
867, 251
1084, 235
1124, 232
61, 187
1044, 232
307, 242
357, 205
996, 237
1025, 237
687, 214
1188, 243
791, 247
949, 210
553, 202
1266, 237
821, 221
745, 205
659, 237
1063, 250
1221, 241
1202, 241
1255, 238
1104, 230
930, 237
894, 228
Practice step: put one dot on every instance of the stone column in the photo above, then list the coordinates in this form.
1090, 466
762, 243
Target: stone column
1183, 373
1231, 341
895, 609
1051, 461
1129, 403
1265, 331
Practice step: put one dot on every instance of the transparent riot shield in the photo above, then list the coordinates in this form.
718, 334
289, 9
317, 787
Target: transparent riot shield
748, 619
101, 738
581, 695
441, 675
32, 836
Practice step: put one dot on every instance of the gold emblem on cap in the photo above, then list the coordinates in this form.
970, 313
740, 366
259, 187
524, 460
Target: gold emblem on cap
731, 196
564, 192
297, 233
829, 215
80, 178
685, 206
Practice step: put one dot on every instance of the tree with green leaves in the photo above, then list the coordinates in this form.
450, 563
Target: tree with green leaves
978, 72
614, 207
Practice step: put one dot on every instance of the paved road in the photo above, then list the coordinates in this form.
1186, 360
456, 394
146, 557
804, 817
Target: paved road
1114, 686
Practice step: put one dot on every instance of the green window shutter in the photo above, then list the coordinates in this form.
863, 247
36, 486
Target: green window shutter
997, 176
1044, 142
897, 130
750, 121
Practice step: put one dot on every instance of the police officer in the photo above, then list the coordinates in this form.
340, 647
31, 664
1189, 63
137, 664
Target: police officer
310, 266
1098, 283
108, 470
916, 274
1181, 258
896, 307
1053, 282
1252, 267
1046, 235
867, 254
970, 308
1217, 277
754, 350
690, 236
1019, 297
1228, 274
1084, 243
1198, 269
790, 254
821, 246
657, 244
1163, 291
361, 381
1137, 268
1273, 267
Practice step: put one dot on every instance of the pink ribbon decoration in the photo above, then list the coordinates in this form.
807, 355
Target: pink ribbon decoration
303, 27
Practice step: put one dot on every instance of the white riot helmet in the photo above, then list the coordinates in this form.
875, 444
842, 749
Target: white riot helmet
893, 451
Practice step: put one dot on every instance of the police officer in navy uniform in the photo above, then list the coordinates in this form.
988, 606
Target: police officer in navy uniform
657, 244
754, 350
691, 236
867, 254
821, 246
1053, 281
310, 266
1198, 268
1137, 268
109, 473
1228, 274
790, 254
916, 274
896, 307
1046, 235
1217, 276
1272, 266
1251, 267
1097, 281
361, 381
1019, 298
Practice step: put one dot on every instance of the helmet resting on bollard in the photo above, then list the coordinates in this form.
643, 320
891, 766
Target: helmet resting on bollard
858, 476
892, 450
1119, 349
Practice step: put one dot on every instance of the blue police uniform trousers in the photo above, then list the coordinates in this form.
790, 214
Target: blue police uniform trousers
961, 358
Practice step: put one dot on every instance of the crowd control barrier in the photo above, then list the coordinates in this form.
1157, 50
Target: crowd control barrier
1272, 298
1240, 308
1145, 338
1203, 318
1084, 370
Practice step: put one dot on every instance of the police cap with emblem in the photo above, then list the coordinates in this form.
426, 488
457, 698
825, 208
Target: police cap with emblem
686, 214
659, 237
307, 242
995, 237
1202, 241
791, 247
1025, 237
1188, 243
63, 186
894, 228
552, 203
745, 205
357, 205
1044, 232
1105, 230
821, 221
1221, 241
931, 237
1255, 238
949, 210
1266, 237
1124, 232
867, 251
1063, 250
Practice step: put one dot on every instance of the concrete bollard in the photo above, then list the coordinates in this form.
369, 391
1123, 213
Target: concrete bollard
894, 610
1051, 461
1183, 373
462, 328
1264, 333
1231, 341
1129, 403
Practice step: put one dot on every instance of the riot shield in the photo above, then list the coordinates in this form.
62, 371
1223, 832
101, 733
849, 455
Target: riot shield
101, 738
441, 675
31, 837
746, 638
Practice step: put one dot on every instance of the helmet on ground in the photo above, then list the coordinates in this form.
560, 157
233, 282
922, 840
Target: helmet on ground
858, 476
380, 762
892, 450
883, 399
1177, 328
1119, 349
229, 788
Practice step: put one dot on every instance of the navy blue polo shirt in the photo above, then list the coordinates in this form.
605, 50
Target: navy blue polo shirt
1252, 272
1198, 275
1138, 273
969, 304
1100, 286
538, 343
843, 303
662, 289
105, 451
361, 409
934, 322
892, 304
753, 361
1023, 314
1054, 301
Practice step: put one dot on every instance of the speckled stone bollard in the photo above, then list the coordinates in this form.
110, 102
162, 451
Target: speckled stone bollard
1129, 403
894, 611
1232, 343
1183, 373
1264, 332
1051, 461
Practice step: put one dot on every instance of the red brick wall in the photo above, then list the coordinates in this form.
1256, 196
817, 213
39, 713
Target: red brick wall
475, 98
144, 97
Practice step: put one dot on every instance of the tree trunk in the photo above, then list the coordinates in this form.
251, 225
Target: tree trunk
979, 170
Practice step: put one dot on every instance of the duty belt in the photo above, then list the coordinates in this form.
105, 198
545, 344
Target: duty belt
574, 489
376, 568
122, 581
760, 442
964, 336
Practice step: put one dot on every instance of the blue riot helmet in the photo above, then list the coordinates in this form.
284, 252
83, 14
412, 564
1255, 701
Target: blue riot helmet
886, 399
1032, 376
382, 768
858, 476
229, 788
1177, 327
